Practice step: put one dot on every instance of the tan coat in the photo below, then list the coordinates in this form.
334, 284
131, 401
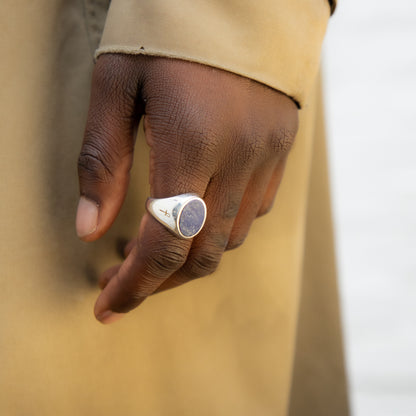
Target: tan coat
260, 337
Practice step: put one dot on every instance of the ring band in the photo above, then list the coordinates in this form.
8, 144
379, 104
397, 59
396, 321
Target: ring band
184, 215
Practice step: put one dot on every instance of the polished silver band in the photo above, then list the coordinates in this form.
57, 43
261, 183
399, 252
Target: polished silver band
184, 215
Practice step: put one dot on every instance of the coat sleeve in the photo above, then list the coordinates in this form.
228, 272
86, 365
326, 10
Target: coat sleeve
275, 42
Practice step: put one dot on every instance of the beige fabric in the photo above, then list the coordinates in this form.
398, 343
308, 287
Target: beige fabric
224, 345
319, 381
275, 42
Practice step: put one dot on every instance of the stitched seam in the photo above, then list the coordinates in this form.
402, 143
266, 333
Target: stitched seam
87, 26
94, 22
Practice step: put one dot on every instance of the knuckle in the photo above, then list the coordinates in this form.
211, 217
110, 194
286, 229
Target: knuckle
232, 207
196, 145
264, 209
250, 143
201, 145
203, 264
166, 261
253, 148
94, 165
135, 298
144, 287
281, 140
235, 242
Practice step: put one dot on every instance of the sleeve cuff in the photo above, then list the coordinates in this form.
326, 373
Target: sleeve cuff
275, 42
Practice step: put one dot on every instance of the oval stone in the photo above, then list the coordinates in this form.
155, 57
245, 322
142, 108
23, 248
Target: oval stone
192, 218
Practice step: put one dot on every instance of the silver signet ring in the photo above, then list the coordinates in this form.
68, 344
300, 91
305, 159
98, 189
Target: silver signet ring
184, 215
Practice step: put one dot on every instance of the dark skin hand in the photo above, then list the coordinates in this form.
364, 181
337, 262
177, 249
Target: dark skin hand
223, 137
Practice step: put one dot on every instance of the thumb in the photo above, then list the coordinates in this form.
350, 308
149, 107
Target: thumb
106, 155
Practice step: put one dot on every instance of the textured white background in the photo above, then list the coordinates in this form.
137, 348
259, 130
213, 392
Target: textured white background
370, 68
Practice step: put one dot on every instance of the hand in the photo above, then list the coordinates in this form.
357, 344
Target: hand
210, 132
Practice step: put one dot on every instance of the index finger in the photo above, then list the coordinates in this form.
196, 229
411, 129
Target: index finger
157, 253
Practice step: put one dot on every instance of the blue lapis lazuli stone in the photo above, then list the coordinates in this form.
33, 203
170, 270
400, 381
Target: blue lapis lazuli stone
192, 218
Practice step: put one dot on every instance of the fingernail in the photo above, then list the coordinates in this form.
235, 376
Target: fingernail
87, 217
108, 317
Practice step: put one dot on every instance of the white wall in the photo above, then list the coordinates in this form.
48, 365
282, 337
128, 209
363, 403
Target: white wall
370, 68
